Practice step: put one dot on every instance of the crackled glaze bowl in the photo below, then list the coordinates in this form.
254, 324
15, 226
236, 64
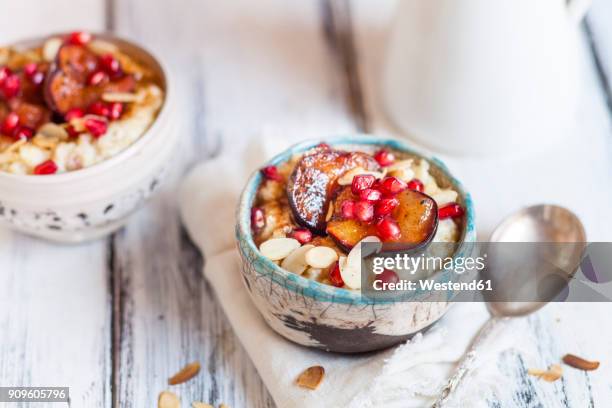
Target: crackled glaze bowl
86, 204
322, 316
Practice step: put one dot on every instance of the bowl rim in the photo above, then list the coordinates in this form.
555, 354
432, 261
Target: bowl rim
122, 155
314, 289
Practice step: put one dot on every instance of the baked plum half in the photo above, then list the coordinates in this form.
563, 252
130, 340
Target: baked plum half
314, 180
407, 218
71, 82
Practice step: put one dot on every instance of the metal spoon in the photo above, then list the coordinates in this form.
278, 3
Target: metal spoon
541, 224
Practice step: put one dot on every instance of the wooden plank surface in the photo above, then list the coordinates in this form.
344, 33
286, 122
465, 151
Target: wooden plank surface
241, 71
599, 31
308, 69
43, 342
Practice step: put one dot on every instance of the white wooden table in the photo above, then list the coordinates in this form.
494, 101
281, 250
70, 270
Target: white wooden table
114, 318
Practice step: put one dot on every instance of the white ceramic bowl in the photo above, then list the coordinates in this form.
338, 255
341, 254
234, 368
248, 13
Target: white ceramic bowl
90, 203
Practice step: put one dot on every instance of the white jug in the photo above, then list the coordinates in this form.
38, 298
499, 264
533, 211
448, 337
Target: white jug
483, 76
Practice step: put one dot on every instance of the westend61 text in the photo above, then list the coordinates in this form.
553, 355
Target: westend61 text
432, 285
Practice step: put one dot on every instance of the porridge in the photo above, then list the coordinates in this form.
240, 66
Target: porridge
71, 103
311, 212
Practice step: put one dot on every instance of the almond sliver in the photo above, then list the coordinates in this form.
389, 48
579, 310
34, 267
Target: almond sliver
15, 146
186, 374
444, 197
45, 142
120, 97
5, 54
7, 157
311, 377
347, 178
168, 399
33, 155
400, 165
552, 374
278, 248
350, 270
102, 47
197, 404
52, 130
79, 123
321, 257
580, 363
50, 48
295, 262
330, 211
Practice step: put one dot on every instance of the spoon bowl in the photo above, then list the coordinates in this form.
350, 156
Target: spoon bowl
540, 223
548, 236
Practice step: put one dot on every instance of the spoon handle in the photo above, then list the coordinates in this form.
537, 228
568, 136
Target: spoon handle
467, 361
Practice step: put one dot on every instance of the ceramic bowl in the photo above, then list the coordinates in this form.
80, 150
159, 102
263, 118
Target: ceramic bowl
87, 204
329, 318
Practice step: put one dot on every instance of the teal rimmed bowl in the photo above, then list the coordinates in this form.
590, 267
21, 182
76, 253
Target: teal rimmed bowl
335, 319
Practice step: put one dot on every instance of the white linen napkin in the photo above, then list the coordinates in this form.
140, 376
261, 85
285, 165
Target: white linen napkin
409, 375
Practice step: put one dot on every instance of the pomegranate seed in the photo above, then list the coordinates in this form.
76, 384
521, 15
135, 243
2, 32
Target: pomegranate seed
347, 208
385, 206
361, 182
271, 173
99, 108
38, 78
11, 86
110, 65
369, 194
30, 69
451, 210
5, 72
384, 157
258, 221
416, 185
23, 132
388, 276
72, 132
97, 78
334, 276
10, 123
96, 127
79, 38
74, 113
46, 167
364, 211
303, 235
388, 230
323, 145
116, 110
392, 186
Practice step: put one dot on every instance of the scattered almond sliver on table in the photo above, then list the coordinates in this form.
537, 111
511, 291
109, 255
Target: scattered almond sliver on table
168, 399
580, 363
311, 378
185, 374
552, 374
